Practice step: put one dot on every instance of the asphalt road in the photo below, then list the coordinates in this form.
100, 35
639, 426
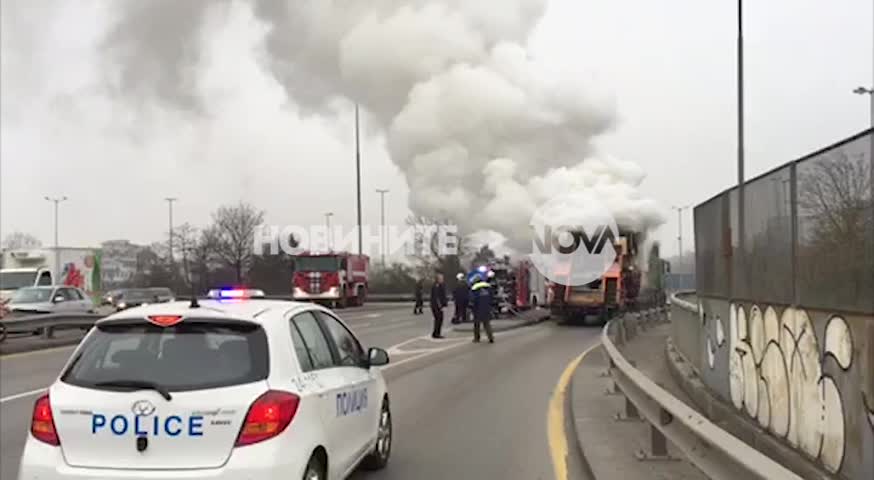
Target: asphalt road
460, 410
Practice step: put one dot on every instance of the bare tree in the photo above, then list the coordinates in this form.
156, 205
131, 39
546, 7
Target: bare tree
185, 238
836, 226
834, 198
21, 240
427, 254
234, 228
482, 256
203, 257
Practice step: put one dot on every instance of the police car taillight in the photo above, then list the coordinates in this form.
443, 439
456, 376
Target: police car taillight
42, 424
164, 320
268, 416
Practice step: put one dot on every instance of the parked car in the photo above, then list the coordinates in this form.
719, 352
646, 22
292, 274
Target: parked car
50, 299
109, 298
164, 294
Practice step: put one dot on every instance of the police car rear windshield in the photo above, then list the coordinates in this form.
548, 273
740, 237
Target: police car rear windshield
188, 356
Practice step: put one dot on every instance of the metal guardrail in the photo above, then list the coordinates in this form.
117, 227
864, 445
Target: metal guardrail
713, 450
676, 300
47, 323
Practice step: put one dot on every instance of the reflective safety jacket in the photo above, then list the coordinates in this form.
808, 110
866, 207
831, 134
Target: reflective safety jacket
481, 300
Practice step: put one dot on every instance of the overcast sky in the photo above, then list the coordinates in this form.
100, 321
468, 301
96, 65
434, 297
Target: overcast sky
669, 66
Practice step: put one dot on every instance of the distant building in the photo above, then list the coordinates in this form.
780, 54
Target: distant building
119, 262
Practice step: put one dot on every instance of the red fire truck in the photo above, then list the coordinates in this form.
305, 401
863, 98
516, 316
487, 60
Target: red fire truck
338, 279
531, 286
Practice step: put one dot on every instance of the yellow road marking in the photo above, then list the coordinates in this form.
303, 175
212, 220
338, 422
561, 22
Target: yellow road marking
555, 421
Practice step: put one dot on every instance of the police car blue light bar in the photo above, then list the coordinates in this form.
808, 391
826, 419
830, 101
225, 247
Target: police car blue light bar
235, 293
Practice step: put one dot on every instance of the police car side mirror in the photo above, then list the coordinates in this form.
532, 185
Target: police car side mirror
377, 357
58, 299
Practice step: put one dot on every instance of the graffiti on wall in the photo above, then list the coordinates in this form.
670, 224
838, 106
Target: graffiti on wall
870, 410
777, 376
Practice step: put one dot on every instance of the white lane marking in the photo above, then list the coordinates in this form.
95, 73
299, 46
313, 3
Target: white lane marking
375, 328
22, 395
430, 352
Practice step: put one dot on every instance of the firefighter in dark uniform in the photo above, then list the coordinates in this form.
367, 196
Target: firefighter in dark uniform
481, 296
419, 295
461, 296
438, 302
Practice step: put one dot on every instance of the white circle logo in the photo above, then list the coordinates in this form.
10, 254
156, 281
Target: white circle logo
143, 408
573, 239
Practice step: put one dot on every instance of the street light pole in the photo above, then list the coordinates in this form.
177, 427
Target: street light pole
170, 201
680, 230
384, 240
870, 93
57, 274
358, 177
740, 134
328, 216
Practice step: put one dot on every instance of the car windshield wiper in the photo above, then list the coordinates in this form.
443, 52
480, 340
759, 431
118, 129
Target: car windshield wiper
137, 385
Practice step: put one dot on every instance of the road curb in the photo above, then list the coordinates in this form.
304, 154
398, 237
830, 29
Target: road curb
572, 429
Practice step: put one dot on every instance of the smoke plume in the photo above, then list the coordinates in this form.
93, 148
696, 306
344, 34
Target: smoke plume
482, 131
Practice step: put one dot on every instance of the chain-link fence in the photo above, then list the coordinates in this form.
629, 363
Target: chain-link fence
804, 237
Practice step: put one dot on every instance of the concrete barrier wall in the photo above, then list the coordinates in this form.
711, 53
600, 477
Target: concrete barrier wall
687, 330
805, 376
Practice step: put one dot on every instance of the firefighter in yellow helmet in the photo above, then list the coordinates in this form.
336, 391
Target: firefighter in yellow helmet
481, 296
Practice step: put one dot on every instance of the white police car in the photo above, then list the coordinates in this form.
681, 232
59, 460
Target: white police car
227, 389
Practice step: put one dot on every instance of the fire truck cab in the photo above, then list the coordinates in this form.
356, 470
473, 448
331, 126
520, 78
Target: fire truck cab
616, 290
338, 279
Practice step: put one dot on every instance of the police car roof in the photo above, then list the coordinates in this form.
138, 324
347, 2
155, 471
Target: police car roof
250, 310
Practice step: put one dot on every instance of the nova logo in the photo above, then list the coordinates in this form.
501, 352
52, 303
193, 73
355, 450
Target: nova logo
573, 239
567, 239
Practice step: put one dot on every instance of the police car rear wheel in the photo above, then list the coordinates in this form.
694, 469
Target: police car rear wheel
378, 459
315, 470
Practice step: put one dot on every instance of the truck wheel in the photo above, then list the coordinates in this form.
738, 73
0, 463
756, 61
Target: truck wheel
603, 317
361, 296
344, 300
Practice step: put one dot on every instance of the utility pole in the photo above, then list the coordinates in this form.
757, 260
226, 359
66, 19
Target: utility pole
680, 230
358, 176
384, 239
870, 92
57, 274
170, 201
328, 216
740, 138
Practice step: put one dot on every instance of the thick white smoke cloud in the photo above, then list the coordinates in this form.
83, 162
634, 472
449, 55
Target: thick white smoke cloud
482, 132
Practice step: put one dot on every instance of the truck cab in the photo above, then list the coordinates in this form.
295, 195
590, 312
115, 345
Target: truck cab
68, 266
616, 290
11, 279
338, 279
